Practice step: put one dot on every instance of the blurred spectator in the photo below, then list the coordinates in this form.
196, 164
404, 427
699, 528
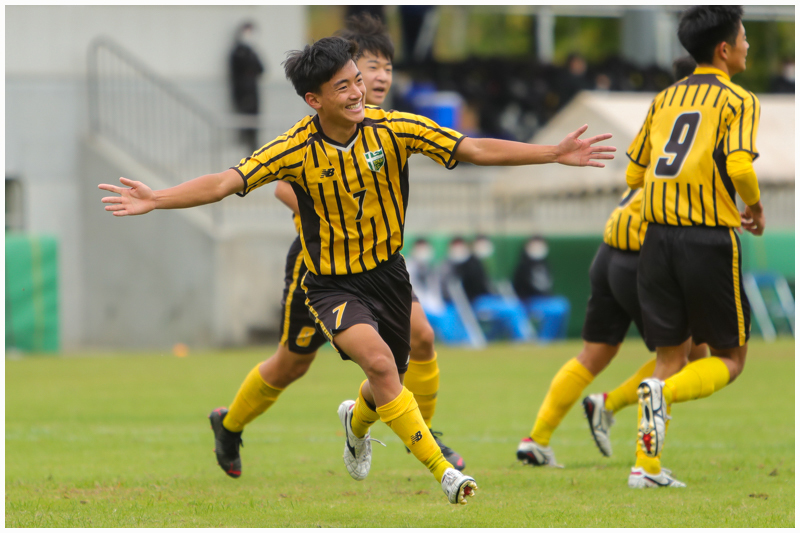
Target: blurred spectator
503, 316
245, 69
784, 83
418, 27
444, 317
574, 80
682, 67
533, 283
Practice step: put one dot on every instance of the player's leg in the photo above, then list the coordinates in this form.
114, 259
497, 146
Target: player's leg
260, 389
665, 322
340, 308
718, 313
422, 376
604, 328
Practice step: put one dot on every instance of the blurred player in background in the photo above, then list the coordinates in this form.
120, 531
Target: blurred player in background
613, 304
693, 154
348, 167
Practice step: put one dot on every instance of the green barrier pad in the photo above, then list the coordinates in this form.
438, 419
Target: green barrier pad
32, 293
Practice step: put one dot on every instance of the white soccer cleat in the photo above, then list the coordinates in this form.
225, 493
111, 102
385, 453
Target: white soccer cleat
458, 486
600, 421
639, 479
653, 424
532, 453
357, 451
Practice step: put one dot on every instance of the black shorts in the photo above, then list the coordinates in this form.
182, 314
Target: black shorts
690, 280
614, 301
298, 329
380, 297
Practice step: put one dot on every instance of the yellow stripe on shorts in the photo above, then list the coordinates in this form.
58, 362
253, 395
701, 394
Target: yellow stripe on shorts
288, 307
736, 293
316, 317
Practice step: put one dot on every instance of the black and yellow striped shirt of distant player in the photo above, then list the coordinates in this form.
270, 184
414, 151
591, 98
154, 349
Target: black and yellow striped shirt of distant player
625, 228
352, 197
695, 152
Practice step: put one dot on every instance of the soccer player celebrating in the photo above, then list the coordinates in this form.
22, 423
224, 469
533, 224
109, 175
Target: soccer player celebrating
299, 340
692, 156
348, 167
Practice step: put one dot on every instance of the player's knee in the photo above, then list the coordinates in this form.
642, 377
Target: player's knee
379, 365
422, 338
298, 368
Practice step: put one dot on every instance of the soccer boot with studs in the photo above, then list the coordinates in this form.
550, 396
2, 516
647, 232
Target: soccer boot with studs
226, 444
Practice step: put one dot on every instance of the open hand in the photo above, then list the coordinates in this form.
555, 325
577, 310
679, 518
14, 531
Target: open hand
577, 152
135, 199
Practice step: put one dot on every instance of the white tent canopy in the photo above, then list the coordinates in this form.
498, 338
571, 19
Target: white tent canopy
622, 114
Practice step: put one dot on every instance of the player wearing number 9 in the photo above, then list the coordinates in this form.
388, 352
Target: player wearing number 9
692, 156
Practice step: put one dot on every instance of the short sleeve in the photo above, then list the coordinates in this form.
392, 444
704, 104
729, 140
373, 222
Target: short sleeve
639, 150
743, 129
280, 159
422, 135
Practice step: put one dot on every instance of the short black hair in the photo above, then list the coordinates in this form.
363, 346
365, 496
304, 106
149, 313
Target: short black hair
370, 34
702, 28
317, 63
682, 67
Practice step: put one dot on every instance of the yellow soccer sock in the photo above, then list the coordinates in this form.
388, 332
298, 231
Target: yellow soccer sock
364, 415
403, 417
698, 379
625, 394
422, 379
254, 397
565, 389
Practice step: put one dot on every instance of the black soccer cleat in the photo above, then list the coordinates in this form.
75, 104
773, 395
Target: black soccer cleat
226, 444
450, 455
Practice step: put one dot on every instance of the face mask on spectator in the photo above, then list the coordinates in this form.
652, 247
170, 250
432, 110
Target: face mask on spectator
536, 250
483, 248
458, 253
423, 253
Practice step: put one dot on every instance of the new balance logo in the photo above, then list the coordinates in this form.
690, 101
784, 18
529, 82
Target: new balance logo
327, 173
416, 437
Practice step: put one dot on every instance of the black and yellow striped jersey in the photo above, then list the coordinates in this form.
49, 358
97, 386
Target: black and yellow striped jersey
352, 198
695, 151
625, 228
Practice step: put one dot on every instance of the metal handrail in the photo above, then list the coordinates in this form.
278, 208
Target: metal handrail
148, 117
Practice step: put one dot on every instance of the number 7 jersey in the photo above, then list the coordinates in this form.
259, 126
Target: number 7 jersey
699, 133
352, 197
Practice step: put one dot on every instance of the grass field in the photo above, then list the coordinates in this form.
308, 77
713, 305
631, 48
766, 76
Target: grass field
123, 441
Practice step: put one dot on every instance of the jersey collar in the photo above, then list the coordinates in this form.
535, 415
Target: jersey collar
711, 70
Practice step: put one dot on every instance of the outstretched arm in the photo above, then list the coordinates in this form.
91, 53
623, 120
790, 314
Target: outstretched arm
570, 151
137, 198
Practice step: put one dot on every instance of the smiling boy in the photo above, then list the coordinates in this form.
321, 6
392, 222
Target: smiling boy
348, 167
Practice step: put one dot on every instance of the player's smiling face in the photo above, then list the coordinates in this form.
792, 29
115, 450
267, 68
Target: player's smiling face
377, 72
342, 99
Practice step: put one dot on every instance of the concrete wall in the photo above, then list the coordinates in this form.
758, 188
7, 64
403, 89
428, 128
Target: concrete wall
46, 104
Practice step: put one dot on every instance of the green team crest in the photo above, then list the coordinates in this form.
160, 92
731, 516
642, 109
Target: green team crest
375, 160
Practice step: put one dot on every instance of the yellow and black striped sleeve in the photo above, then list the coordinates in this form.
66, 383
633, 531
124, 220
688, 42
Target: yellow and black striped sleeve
422, 135
639, 152
740, 148
281, 158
